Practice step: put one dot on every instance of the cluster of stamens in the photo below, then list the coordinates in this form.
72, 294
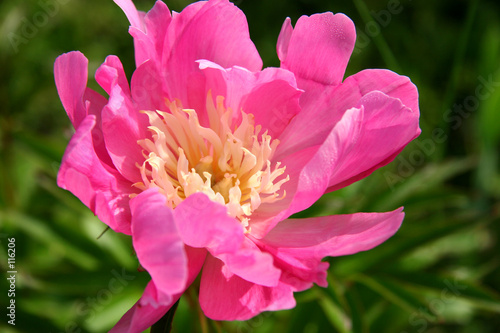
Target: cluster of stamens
229, 163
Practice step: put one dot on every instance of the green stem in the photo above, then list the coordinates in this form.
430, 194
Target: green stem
164, 325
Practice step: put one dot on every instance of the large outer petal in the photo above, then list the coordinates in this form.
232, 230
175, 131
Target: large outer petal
324, 112
367, 137
226, 296
157, 243
97, 185
388, 126
310, 171
214, 30
298, 245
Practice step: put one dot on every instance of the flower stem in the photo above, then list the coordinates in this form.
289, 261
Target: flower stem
164, 325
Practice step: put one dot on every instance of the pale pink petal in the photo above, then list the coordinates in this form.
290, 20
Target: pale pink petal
98, 186
387, 127
284, 39
270, 95
318, 49
214, 30
252, 265
205, 223
157, 243
123, 125
225, 296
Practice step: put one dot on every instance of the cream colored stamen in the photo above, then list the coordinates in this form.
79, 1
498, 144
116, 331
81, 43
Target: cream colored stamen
231, 166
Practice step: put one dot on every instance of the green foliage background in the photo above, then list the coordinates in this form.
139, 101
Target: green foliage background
439, 273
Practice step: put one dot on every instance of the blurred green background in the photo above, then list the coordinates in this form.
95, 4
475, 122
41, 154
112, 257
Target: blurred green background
439, 273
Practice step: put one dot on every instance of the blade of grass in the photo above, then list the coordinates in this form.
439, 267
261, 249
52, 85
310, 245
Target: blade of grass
378, 39
335, 315
459, 53
393, 293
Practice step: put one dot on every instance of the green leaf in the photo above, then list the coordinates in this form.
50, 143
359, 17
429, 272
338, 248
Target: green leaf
393, 293
39, 230
337, 317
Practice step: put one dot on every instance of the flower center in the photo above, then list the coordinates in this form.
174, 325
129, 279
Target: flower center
229, 163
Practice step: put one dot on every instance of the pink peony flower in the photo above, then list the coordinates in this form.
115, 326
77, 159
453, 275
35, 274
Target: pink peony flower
205, 156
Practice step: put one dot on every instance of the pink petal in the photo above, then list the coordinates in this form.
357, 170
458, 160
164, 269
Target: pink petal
252, 265
284, 39
148, 43
148, 310
394, 85
204, 223
148, 87
322, 112
335, 235
123, 125
157, 243
387, 127
225, 296
298, 245
94, 104
318, 49
110, 74
98, 186
273, 104
270, 95
214, 30
310, 171
366, 138
70, 73
133, 15
142, 316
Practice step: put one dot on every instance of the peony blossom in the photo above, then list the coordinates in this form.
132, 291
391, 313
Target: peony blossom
204, 156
